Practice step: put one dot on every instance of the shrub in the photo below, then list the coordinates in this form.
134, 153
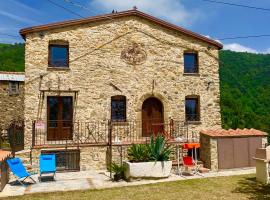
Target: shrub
118, 171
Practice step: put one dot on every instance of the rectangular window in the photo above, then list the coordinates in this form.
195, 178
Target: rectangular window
118, 108
60, 117
190, 63
13, 87
58, 55
192, 109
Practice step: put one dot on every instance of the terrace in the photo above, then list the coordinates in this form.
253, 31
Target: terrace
89, 181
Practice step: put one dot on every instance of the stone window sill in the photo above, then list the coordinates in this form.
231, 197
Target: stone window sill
58, 68
193, 122
119, 123
191, 74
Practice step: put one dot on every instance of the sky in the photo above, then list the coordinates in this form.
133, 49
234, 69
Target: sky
210, 19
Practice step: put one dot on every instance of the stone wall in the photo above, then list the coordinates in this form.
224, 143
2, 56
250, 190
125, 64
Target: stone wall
11, 106
209, 152
214, 154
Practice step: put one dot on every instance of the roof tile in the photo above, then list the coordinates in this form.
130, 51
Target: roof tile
233, 133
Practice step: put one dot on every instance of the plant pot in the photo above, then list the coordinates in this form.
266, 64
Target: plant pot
148, 169
117, 177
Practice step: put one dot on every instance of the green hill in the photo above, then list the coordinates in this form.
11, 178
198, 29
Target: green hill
245, 85
245, 90
11, 57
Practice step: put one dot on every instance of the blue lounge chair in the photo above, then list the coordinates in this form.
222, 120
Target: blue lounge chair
47, 164
19, 170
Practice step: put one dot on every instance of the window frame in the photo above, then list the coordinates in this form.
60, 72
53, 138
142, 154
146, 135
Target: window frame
50, 65
119, 98
10, 90
197, 62
198, 114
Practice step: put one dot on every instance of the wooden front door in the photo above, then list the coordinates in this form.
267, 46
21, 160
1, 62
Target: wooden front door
59, 118
152, 117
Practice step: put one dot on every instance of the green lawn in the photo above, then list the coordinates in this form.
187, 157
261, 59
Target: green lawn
234, 187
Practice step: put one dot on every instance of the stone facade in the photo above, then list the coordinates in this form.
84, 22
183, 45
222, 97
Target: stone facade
100, 67
11, 105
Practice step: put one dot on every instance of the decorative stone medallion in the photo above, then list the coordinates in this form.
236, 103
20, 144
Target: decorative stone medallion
134, 54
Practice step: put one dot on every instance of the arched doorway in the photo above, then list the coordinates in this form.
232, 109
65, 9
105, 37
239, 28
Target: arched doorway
152, 117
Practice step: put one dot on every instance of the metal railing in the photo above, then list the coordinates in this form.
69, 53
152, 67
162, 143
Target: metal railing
105, 132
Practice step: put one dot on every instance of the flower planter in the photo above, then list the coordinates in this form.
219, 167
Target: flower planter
148, 169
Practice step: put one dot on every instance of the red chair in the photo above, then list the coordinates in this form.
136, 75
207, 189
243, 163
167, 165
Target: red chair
189, 163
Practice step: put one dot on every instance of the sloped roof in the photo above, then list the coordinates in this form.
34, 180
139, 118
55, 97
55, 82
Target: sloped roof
12, 76
234, 133
133, 12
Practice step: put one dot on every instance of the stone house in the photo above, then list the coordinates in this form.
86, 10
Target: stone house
125, 70
11, 97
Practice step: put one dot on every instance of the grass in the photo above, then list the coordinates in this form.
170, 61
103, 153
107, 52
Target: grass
234, 187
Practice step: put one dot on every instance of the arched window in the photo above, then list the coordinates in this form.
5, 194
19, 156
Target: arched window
118, 108
192, 108
58, 54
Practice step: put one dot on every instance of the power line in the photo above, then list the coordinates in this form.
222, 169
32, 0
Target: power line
84, 8
244, 37
66, 9
212, 1
78, 5
238, 5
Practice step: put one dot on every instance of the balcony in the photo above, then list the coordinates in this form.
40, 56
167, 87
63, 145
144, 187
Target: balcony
104, 133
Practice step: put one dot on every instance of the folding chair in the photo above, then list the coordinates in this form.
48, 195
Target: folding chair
189, 163
47, 165
19, 170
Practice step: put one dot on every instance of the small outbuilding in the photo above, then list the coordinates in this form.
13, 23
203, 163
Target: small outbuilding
228, 149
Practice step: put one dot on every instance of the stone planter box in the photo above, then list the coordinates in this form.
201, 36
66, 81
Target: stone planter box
148, 170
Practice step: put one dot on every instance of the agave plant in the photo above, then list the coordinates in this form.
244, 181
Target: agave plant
158, 150
138, 153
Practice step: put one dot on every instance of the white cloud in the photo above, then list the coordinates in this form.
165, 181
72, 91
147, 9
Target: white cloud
208, 36
18, 18
24, 7
267, 51
239, 48
171, 10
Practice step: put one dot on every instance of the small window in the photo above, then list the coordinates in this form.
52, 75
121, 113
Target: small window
190, 63
58, 55
118, 108
192, 109
13, 87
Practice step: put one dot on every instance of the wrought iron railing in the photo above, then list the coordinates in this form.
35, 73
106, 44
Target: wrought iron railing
105, 132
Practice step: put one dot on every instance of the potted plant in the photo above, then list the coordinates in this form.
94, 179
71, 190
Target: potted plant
149, 160
118, 171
